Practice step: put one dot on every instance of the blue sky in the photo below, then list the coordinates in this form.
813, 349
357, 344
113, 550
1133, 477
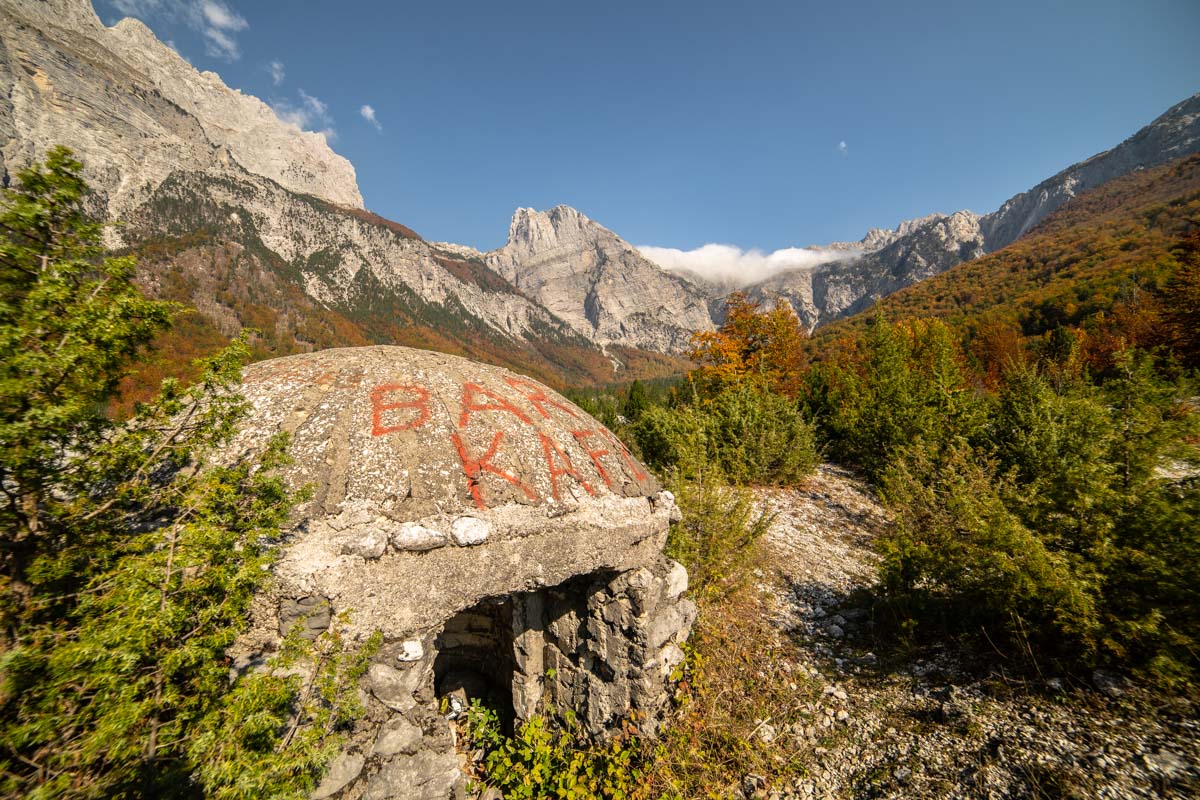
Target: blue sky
763, 125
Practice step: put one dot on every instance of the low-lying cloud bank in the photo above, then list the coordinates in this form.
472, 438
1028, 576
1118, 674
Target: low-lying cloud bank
726, 264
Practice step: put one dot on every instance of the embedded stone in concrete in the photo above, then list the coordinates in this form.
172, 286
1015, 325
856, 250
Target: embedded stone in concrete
417, 538
469, 531
666, 500
397, 735
422, 776
368, 543
344, 769
395, 687
677, 581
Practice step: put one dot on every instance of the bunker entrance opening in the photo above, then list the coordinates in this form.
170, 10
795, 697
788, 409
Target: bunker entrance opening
475, 658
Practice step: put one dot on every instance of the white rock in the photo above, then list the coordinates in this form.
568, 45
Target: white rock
470, 531
677, 581
411, 650
411, 536
370, 543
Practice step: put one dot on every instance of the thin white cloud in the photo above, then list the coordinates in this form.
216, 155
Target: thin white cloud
309, 114
215, 21
138, 8
314, 106
218, 23
219, 15
843, 148
724, 263
277, 72
368, 113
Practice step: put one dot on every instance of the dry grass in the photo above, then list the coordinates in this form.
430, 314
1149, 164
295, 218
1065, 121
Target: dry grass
737, 704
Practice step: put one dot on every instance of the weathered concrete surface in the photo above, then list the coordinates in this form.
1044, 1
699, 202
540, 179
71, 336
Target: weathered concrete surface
515, 487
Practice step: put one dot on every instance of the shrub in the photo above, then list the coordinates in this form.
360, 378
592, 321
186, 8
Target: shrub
718, 536
759, 437
957, 550
539, 761
746, 434
673, 438
905, 383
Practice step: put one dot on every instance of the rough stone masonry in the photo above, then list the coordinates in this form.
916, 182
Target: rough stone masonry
507, 546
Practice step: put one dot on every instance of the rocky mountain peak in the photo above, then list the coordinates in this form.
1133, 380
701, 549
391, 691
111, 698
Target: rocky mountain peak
532, 230
152, 113
597, 282
878, 238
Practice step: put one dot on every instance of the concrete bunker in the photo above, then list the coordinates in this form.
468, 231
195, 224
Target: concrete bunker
504, 543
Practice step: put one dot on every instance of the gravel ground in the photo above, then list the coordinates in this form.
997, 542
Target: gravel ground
928, 726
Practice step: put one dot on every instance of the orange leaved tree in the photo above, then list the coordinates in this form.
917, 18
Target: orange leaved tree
751, 343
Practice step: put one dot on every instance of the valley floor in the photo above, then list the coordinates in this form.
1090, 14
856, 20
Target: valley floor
925, 724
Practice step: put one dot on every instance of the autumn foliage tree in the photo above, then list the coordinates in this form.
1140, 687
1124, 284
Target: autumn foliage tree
767, 345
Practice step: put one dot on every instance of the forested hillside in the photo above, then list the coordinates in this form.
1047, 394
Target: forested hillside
1093, 268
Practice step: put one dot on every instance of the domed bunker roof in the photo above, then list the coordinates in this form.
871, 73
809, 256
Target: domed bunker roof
438, 481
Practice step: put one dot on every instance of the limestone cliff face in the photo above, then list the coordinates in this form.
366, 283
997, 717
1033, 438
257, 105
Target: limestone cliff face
916, 250
352, 261
134, 111
174, 153
597, 283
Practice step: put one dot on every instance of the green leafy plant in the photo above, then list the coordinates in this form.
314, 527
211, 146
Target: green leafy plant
541, 761
132, 551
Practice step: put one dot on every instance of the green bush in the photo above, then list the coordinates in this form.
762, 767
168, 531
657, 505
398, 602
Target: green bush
717, 538
746, 434
539, 761
905, 383
758, 436
673, 438
956, 554
1070, 524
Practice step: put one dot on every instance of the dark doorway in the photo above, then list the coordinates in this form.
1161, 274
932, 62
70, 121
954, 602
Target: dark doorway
475, 659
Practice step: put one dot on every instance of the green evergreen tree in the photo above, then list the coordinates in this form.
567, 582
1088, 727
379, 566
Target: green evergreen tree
636, 402
70, 323
907, 384
131, 551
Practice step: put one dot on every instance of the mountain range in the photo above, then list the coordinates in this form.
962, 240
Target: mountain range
258, 224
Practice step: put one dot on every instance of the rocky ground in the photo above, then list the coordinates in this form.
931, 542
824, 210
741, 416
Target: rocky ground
926, 724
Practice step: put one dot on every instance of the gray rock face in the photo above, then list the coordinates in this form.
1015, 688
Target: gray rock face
172, 151
134, 111
505, 544
599, 284
348, 261
925, 248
